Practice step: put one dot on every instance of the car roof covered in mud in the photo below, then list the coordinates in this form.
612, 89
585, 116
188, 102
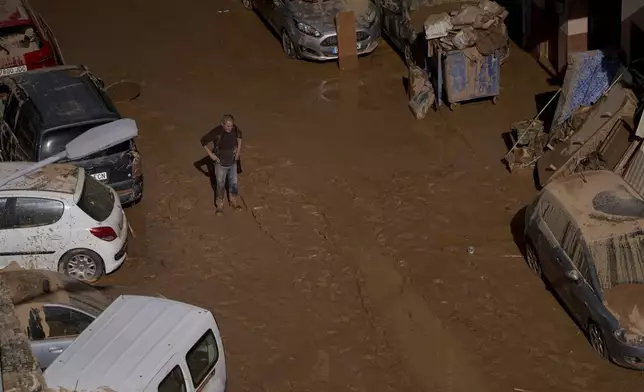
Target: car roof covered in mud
65, 95
62, 178
13, 12
601, 203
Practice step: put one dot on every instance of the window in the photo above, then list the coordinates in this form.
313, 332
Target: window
96, 199
25, 130
572, 244
33, 212
3, 203
20, 38
65, 322
11, 111
54, 142
173, 382
202, 357
556, 220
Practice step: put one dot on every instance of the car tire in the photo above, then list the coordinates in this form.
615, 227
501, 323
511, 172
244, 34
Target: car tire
532, 259
82, 264
597, 341
248, 4
287, 46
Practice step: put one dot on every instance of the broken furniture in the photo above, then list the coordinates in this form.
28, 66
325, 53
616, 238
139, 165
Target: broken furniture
528, 141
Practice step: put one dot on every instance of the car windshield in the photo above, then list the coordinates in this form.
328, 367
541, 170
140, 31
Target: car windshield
16, 41
96, 199
619, 260
54, 142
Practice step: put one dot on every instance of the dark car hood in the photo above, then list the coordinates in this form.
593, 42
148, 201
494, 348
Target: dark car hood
321, 14
626, 303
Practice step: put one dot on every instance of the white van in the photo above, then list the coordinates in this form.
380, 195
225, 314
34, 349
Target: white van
144, 344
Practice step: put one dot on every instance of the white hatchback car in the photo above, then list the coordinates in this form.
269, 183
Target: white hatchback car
59, 218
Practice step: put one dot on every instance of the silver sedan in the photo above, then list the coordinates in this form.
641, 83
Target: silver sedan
307, 27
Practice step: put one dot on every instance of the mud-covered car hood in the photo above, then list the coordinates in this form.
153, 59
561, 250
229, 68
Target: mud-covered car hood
321, 14
626, 303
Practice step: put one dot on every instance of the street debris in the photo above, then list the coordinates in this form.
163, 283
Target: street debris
421, 92
481, 26
528, 139
593, 125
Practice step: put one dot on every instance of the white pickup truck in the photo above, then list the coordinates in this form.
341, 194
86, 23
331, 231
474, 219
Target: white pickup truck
144, 344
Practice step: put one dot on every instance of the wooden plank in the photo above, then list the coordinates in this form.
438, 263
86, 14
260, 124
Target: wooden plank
347, 44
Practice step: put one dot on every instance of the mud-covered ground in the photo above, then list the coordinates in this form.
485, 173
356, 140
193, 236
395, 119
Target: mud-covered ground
348, 271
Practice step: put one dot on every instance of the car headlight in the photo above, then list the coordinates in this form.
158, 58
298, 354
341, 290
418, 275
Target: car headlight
306, 29
629, 337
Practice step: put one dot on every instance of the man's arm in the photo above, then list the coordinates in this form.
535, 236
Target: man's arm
239, 143
210, 138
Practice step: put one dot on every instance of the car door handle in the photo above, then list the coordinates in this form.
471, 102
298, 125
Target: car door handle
55, 350
55, 237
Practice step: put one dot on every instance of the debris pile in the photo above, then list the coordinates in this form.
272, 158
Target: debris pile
421, 93
481, 26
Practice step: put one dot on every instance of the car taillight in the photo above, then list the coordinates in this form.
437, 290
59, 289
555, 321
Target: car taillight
105, 233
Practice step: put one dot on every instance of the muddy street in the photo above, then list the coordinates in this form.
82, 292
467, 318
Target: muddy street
348, 269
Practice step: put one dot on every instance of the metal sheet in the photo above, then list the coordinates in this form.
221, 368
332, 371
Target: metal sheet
469, 75
634, 174
588, 75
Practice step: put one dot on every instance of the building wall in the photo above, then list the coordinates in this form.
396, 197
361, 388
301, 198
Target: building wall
557, 28
632, 20
575, 26
20, 370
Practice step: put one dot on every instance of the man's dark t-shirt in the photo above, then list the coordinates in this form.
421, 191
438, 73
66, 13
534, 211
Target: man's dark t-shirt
225, 143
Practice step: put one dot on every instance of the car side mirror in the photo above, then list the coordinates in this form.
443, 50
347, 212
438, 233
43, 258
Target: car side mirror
573, 276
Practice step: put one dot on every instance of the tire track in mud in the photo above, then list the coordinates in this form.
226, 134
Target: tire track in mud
399, 314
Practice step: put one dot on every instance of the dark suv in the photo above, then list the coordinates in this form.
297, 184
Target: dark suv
45, 109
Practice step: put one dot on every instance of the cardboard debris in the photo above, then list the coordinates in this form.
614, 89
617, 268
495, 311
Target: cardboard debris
421, 92
479, 25
489, 41
438, 25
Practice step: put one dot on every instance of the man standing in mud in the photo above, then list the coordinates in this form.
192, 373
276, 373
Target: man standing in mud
227, 140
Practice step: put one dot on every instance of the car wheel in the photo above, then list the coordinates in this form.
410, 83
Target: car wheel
597, 341
83, 265
248, 4
287, 46
532, 259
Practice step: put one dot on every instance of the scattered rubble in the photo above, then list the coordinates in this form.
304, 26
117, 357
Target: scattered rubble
481, 26
421, 92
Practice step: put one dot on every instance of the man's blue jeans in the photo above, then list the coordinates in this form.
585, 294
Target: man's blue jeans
221, 174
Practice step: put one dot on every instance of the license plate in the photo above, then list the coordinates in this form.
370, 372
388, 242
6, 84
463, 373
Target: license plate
100, 176
13, 70
334, 50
